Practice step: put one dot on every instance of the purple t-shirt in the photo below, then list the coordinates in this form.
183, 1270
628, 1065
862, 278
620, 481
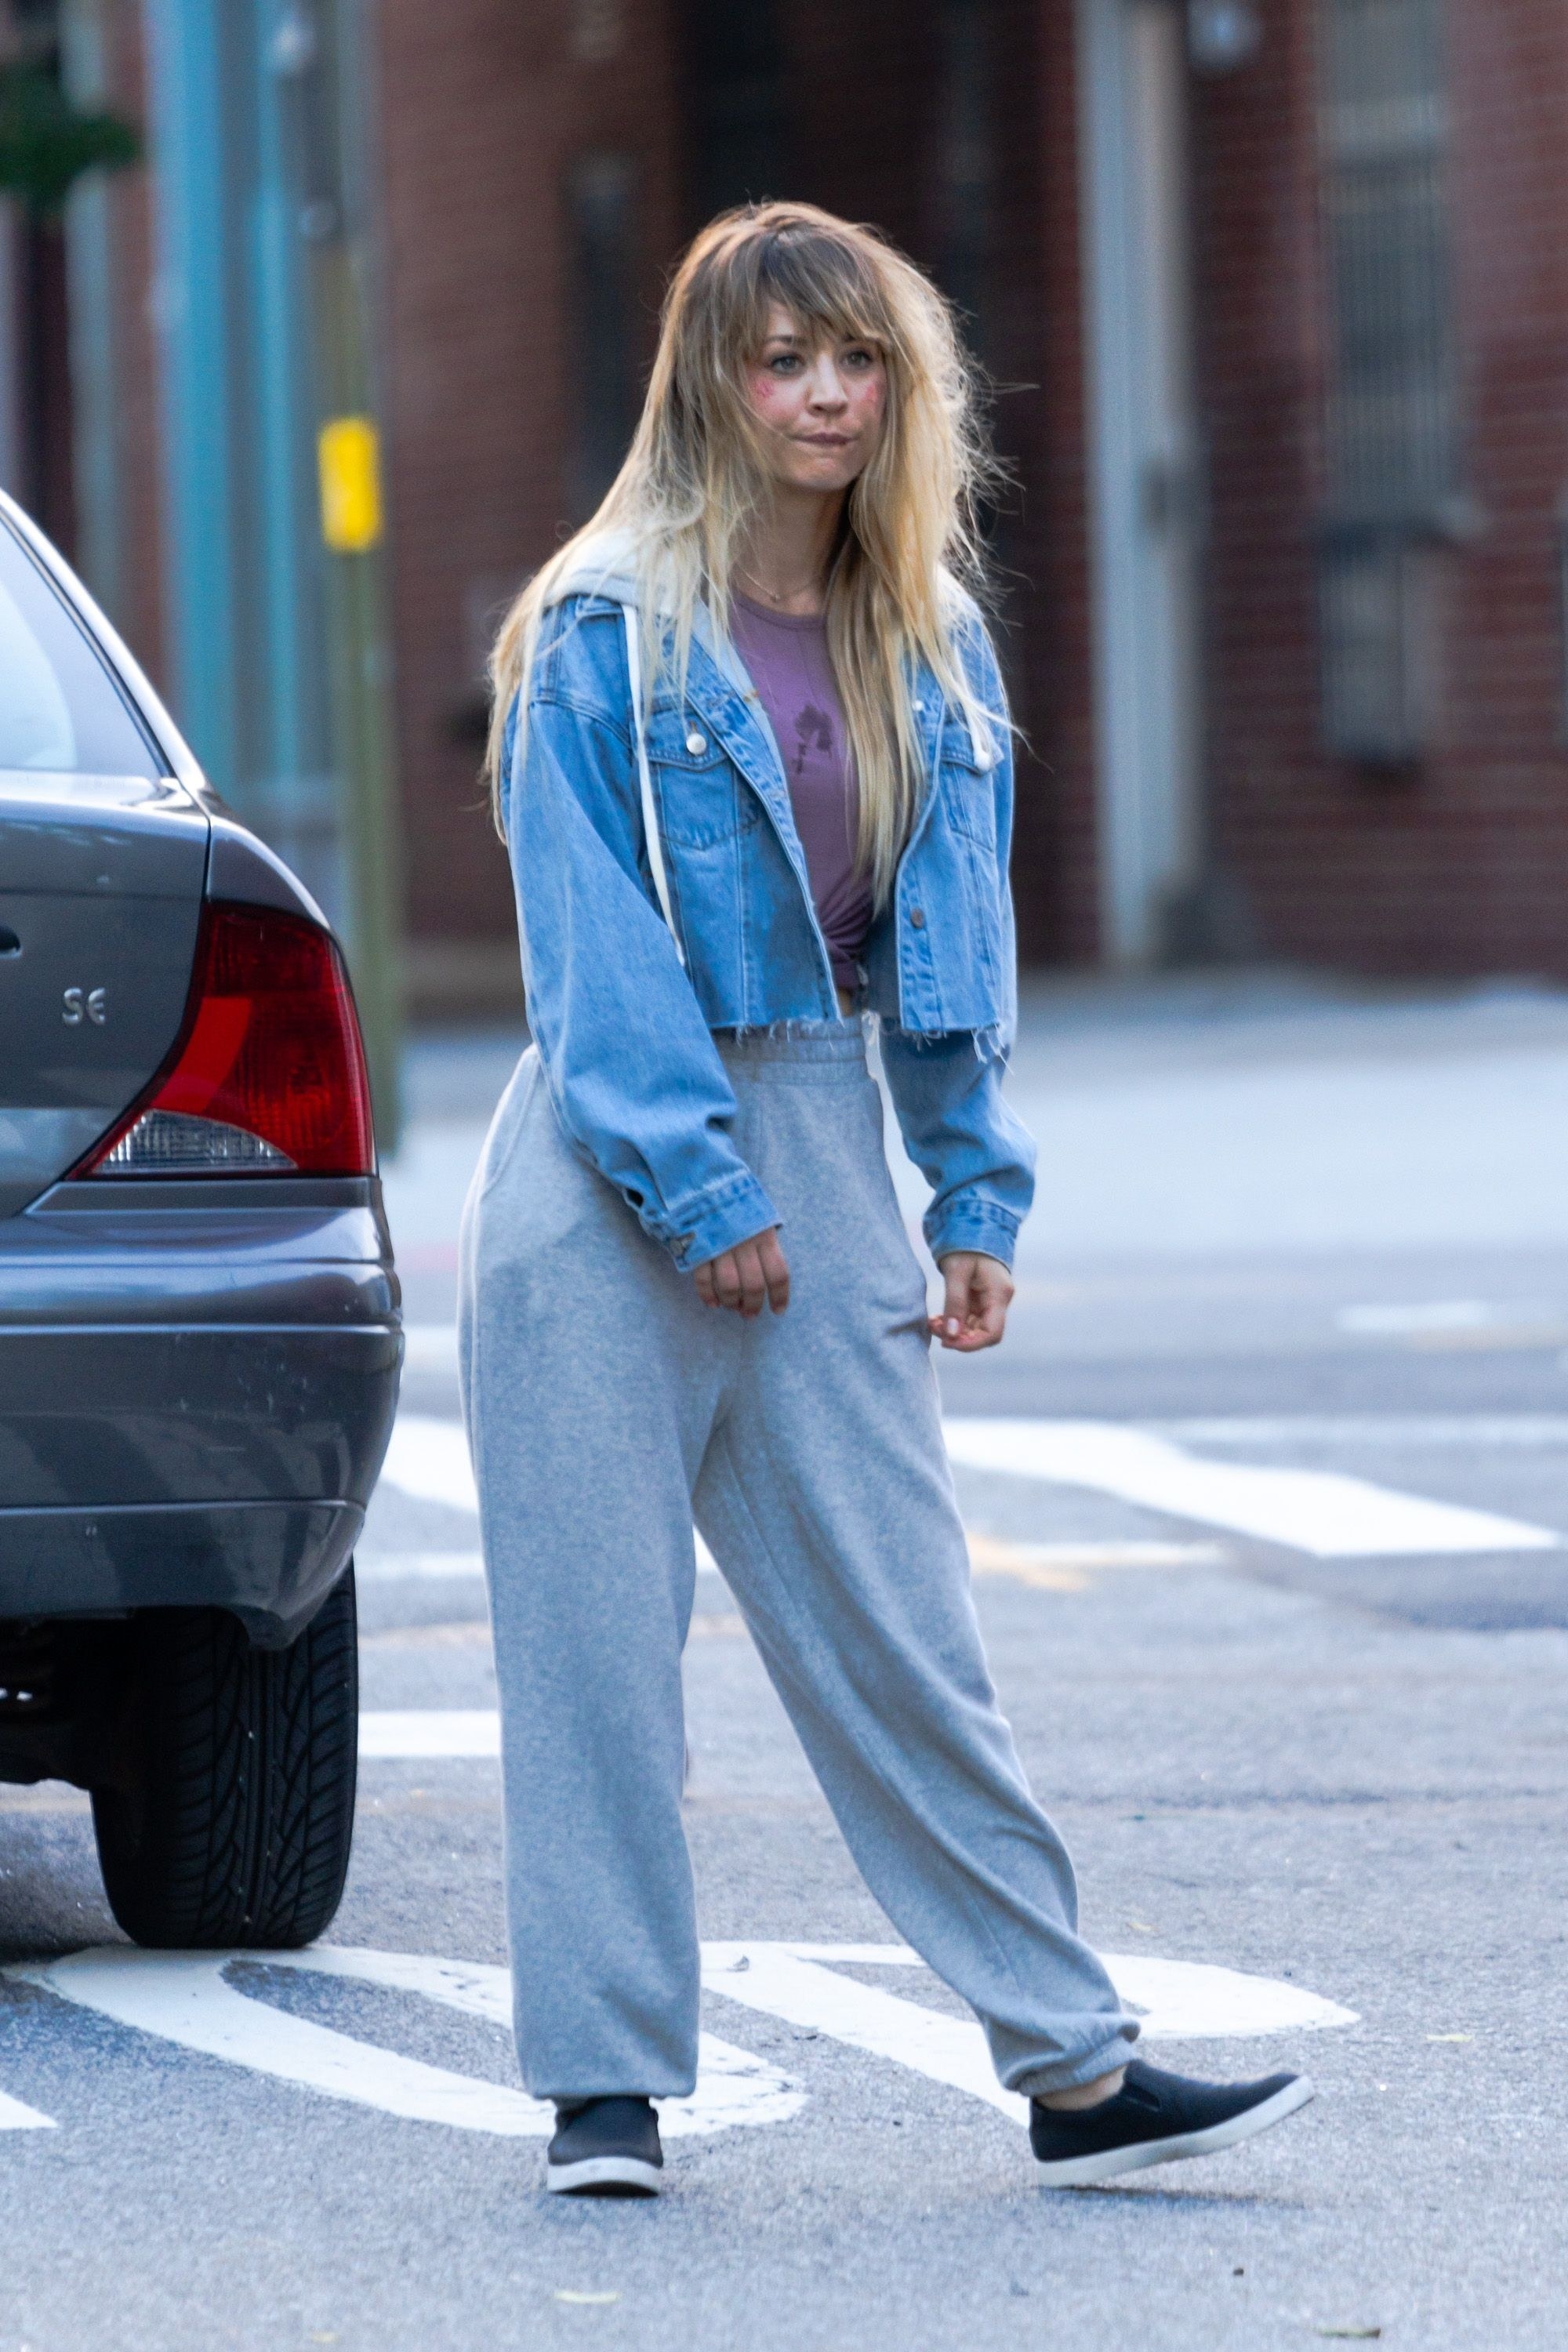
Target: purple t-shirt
787, 658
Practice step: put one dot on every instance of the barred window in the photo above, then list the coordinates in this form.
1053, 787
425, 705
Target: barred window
1391, 407
1393, 426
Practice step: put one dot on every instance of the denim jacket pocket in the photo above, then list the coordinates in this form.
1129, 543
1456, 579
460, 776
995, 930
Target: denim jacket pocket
702, 799
968, 784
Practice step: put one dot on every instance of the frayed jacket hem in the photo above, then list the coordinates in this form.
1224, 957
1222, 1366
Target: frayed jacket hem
991, 1044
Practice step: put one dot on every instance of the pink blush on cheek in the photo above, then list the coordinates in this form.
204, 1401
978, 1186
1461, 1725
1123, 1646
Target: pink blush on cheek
872, 397
764, 391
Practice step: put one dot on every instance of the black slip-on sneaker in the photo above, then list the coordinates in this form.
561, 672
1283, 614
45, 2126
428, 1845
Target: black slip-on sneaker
605, 2147
1155, 2118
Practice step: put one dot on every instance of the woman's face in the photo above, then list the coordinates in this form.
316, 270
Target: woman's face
821, 405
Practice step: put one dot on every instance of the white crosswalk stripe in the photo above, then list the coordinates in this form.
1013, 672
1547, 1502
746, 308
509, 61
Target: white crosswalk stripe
1323, 1512
1318, 1511
186, 1999
431, 1567
430, 1731
14, 2115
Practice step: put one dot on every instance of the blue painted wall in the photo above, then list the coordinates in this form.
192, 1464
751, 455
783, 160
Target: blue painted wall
244, 581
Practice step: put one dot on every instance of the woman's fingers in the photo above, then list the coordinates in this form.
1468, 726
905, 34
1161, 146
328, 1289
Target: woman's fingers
957, 1273
993, 1294
776, 1269
718, 1284
753, 1274
727, 1279
749, 1271
978, 1291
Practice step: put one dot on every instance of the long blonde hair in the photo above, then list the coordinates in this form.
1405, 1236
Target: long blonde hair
696, 473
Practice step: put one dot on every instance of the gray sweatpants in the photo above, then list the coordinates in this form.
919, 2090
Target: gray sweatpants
607, 1407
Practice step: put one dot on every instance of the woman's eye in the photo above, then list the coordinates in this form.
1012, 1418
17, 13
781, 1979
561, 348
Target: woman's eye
859, 359
784, 362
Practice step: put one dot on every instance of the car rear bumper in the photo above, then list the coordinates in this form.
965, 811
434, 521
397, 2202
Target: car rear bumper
197, 1385
272, 1564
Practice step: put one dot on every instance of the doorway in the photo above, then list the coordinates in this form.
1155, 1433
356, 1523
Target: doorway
1145, 474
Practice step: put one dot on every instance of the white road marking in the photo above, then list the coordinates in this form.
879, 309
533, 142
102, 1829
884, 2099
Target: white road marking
15, 2115
399, 1567
1456, 1323
183, 1996
456, 1567
428, 1458
1067, 1567
1194, 2000
430, 1347
1435, 1315
781, 1983
431, 1731
732, 2086
1179, 2000
1318, 1511
1437, 1433
1323, 1512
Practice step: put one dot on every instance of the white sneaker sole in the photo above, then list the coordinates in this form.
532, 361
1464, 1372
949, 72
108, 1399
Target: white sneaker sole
1083, 2171
603, 2172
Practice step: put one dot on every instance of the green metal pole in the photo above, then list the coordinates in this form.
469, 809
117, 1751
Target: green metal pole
352, 530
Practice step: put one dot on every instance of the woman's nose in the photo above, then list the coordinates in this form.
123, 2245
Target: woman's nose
827, 388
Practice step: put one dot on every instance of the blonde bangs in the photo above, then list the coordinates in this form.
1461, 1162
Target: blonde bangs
696, 474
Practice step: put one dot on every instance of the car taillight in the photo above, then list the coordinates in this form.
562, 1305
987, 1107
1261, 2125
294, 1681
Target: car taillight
267, 1075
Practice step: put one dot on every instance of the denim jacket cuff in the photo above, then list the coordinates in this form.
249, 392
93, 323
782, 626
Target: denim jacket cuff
715, 1220
972, 1225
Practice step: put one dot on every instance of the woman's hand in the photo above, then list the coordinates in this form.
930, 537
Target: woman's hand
975, 1312
742, 1278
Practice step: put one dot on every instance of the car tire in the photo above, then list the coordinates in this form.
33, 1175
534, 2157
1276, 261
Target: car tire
228, 1815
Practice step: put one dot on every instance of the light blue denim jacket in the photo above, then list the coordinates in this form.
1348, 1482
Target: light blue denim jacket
623, 1031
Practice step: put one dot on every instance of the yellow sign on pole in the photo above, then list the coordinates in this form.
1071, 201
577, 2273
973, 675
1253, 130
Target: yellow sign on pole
350, 461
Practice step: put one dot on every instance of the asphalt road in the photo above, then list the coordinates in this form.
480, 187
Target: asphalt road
1301, 1266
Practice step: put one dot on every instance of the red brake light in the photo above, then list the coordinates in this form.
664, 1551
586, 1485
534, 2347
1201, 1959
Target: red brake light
269, 1074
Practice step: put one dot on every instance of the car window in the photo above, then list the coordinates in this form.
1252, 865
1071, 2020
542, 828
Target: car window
60, 711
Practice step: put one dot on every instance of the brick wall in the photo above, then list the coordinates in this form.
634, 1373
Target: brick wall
1456, 863
484, 106
481, 116
1276, 805
1460, 863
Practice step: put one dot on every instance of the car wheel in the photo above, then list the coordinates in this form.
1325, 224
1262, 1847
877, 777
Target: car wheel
229, 1813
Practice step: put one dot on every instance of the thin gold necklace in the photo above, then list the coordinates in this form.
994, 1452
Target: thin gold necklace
779, 597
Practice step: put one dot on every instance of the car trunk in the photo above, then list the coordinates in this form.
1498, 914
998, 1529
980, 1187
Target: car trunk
100, 893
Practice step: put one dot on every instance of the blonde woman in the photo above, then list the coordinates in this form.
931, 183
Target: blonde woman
751, 761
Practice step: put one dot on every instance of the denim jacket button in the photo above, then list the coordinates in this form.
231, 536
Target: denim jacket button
918, 917
696, 744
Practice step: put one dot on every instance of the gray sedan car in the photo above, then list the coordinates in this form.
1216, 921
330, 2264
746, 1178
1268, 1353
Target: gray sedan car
199, 1329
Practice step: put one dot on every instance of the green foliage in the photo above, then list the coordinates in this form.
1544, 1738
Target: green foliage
45, 143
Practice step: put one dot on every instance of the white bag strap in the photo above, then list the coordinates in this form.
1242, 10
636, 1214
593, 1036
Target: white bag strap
645, 779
